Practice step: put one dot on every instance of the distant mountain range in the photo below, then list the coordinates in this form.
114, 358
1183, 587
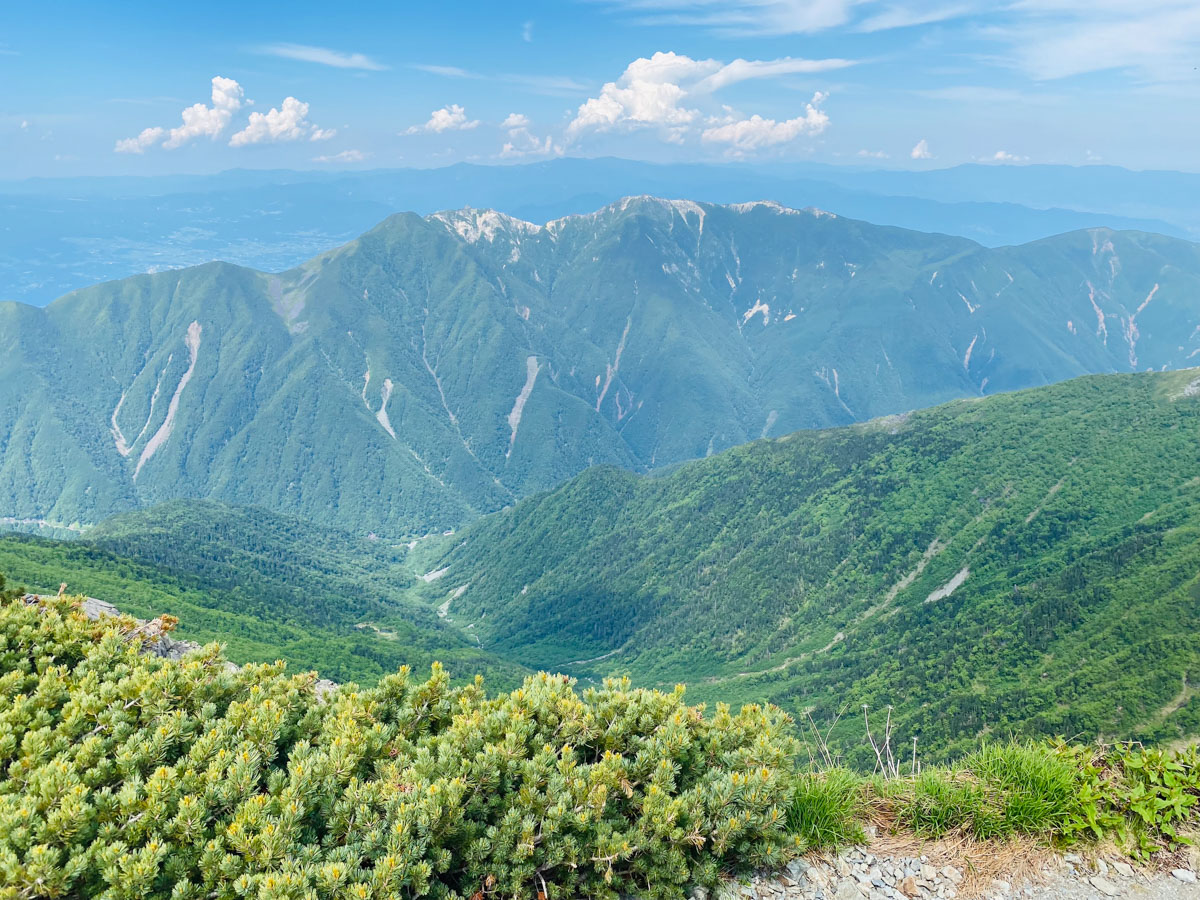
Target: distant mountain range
442, 367
64, 234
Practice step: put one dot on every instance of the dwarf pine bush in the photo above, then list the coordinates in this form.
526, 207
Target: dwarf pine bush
126, 776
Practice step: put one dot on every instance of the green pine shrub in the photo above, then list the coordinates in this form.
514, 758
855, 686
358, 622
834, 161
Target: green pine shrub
127, 776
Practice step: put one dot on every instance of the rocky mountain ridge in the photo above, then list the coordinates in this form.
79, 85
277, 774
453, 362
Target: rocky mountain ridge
442, 367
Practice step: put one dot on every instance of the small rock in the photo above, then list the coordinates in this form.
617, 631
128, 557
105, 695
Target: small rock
1187, 876
1102, 866
909, 888
1073, 858
952, 874
1124, 869
928, 872
796, 868
1104, 886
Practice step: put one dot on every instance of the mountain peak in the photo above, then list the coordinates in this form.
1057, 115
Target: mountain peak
474, 225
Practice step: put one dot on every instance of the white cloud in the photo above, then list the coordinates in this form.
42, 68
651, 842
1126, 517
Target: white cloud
323, 56
912, 14
873, 154
24, 124
147, 138
448, 118
1004, 156
921, 151
747, 135
346, 156
198, 120
1052, 39
744, 69
287, 123
784, 17
666, 90
758, 17
522, 142
445, 71
208, 121
527, 32
513, 149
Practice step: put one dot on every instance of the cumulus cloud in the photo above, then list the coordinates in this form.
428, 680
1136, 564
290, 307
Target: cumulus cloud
148, 138
448, 118
668, 90
747, 135
526, 144
873, 154
1004, 156
287, 123
208, 121
523, 142
921, 150
198, 120
322, 56
346, 156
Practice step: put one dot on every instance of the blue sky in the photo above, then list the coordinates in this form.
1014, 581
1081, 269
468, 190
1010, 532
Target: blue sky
136, 87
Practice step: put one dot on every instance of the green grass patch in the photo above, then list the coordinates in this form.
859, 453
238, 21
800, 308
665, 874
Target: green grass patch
827, 808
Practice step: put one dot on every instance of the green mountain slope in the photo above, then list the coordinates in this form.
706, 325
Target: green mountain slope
1028, 563
442, 367
266, 585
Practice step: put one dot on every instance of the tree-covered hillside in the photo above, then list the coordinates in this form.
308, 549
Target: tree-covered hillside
1027, 563
267, 586
438, 368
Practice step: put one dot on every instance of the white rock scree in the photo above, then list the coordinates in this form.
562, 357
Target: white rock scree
858, 874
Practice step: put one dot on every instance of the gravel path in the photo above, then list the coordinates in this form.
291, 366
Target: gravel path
868, 873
